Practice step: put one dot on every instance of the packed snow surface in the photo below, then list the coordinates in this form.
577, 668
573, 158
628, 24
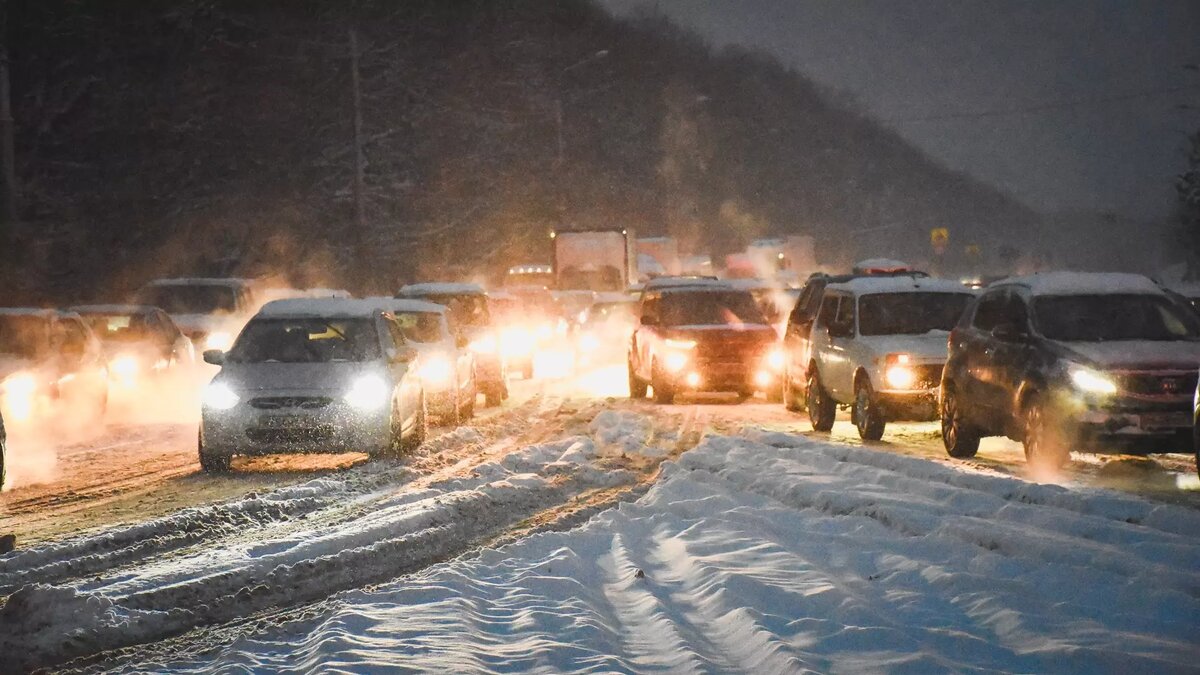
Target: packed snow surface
774, 553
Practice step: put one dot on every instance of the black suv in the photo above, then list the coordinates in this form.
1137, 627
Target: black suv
1066, 361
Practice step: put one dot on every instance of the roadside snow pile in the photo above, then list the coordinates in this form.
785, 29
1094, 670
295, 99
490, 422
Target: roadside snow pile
343, 536
774, 553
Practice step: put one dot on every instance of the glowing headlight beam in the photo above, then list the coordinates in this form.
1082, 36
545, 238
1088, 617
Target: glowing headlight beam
900, 377
437, 370
1091, 381
219, 396
218, 340
367, 393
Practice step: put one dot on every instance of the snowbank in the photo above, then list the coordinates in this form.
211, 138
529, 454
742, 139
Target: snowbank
774, 553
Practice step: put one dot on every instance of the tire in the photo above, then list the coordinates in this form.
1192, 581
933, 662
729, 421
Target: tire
493, 395
664, 393
420, 430
868, 416
961, 439
791, 399
212, 462
3, 452
391, 447
637, 386
1045, 444
821, 408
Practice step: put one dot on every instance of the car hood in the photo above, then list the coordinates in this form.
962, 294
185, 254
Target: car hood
1136, 354
928, 347
295, 377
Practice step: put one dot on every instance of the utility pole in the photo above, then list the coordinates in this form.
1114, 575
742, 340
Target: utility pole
360, 215
8, 169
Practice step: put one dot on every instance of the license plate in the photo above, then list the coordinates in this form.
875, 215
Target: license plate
280, 421
1172, 420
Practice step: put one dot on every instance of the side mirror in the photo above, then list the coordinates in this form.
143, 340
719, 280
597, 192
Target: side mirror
214, 357
1009, 332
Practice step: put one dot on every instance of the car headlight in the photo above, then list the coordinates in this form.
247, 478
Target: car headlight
219, 396
485, 344
367, 393
680, 344
1091, 381
124, 367
675, 361
588, 342
437, 370
19, 391
218, 340
898, 372
516, 342
775, 359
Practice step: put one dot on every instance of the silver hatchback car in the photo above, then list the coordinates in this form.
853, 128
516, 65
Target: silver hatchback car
313, 375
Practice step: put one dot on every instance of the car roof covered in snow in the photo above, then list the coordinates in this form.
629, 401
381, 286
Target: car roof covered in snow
441, 288
31, 311
113, 309
1084, 283
232, 282
899, 284
708, 286
319, 308
754, 284
661, 283
407, 305
882, 264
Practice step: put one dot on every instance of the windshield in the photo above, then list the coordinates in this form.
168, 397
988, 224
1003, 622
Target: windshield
306, 341
420, 326
191, 299
1100, 318
909, 313
467, 309
115, 327
22, 336
710, 308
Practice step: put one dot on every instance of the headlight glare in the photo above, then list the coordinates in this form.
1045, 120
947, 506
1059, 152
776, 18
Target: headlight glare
485, 344
218, 340
680, 344
1091, 381
367, 393
219, 396
437, 370
775, 359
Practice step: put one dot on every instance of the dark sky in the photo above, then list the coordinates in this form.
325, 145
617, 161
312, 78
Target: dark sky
1068, 104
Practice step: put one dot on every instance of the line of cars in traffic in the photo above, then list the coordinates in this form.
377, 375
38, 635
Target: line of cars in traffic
1056, 361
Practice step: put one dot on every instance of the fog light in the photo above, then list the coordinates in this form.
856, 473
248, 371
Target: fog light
900, 377
693, 380
775, 359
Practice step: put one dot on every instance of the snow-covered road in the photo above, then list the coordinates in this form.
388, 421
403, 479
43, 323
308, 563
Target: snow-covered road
767, 552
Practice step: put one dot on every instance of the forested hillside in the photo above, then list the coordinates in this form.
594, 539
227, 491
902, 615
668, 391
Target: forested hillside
218, 137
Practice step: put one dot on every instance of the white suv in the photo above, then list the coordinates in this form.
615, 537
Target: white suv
878, 347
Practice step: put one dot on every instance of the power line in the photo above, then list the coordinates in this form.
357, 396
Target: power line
1045, 107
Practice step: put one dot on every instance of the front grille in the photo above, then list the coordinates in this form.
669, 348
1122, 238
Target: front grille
295, 435
1162, 384
285, 402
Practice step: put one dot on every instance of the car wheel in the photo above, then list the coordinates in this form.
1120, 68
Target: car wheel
469, 407
211, 462
420, 429
960, 439
868, 414
791, 398
1045, 444
664, 393
821, 407
637, 387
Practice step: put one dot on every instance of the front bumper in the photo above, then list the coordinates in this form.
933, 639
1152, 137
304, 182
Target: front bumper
722, 376
1136, 431
919, 405
334, 428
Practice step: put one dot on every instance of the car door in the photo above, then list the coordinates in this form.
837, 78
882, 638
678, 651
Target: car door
819, 340
1011, 352
408, 389
81, 374
982, 386
464, 365
838, 371
797, 338
646, 335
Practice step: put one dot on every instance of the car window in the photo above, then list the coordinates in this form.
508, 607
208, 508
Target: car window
1015, 312
910, 313
74, 337
650, 309
989, 313
1097, 318
845, 314
420, 326
829, 308
397, 333
306, 341
710, 308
